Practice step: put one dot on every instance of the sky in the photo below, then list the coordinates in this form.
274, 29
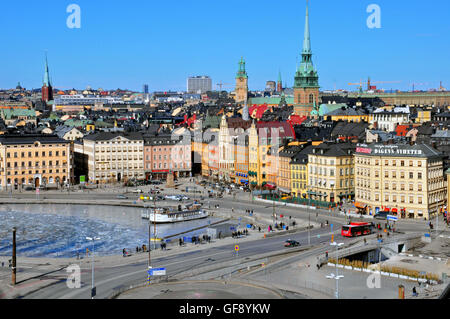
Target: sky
125, 44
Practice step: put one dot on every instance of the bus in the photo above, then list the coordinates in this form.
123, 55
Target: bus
356, 229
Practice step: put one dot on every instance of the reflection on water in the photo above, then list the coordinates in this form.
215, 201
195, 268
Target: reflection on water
61, 230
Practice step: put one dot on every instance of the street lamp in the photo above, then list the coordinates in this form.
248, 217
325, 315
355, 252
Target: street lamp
93, 291
337, 276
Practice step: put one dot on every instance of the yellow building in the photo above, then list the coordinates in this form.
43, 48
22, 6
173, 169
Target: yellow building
34, 160
403, 179
299, 172
264, 136
331, 172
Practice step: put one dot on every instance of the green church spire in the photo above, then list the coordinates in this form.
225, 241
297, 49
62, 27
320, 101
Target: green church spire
306, 75
241, 73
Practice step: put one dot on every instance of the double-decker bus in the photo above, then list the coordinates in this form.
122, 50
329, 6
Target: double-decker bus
356, 229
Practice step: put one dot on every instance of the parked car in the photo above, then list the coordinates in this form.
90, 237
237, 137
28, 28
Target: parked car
138, 191
122, 197
291, 243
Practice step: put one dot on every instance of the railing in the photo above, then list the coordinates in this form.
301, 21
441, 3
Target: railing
301, 201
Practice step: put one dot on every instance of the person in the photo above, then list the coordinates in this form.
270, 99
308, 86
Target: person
180, 242
259, 229
415, 294
137, 249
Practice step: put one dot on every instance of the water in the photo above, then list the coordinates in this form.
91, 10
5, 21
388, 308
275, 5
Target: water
62, 230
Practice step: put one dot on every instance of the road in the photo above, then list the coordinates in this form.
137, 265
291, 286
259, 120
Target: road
109, 279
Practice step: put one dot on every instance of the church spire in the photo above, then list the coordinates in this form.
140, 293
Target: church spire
46, 74
306, 38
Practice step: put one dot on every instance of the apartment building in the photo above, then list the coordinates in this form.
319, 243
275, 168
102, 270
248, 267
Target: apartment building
113, 157
405, 180
34, 160
331, 172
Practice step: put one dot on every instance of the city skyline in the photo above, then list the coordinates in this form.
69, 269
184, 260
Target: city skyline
111, 56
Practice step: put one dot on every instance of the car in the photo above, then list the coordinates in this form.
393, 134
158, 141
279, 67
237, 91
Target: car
138, 191
173, 197
122, 197
291, 243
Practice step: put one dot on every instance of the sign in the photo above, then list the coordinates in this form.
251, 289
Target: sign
82, 179
391, 217
232, 228
157, 272
236, 247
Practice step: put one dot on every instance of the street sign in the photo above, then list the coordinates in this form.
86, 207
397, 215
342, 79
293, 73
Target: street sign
391, 217
157, 272
236, 247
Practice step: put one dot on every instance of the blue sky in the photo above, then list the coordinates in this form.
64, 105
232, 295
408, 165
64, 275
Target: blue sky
124, 44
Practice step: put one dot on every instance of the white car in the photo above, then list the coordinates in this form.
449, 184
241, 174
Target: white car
173, 197
137, 191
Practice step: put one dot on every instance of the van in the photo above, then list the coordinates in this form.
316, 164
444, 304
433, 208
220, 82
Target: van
381, 215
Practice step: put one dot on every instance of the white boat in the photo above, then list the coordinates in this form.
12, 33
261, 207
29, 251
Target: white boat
166, 216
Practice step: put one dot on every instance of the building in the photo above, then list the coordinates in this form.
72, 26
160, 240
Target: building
265, 136
388, 121
164, 154
299, 171
69, 133
405, 180
241, 90
279, 83
199, 84
34, 160
270, 86
306, 80
331, 172
113, 157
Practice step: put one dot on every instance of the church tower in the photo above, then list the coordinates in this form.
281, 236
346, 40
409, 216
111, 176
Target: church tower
306, 81
241, 83
47, 90
279, 83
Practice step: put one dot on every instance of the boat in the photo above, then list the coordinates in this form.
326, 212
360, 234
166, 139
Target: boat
164, 215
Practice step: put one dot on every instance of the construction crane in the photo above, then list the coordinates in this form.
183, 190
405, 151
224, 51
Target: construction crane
360, 84
223, 84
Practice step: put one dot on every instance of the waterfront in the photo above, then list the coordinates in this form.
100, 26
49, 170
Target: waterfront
61, 230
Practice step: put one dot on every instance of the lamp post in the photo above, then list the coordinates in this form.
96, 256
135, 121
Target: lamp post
93, 291
336, 276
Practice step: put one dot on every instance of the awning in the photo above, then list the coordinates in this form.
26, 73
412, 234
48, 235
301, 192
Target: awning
360, 205
394, 210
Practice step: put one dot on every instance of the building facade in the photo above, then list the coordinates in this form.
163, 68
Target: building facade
164, 154
405, 180
35, 160
113, 157
199, 84
331, 172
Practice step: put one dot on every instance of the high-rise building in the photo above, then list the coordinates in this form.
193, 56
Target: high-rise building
306, 81
199, 84
145, 89
241, 83
47, 90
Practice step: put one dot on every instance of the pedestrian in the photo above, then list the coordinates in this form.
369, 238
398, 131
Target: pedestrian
137, 249
259, 229
415, 294
180, 242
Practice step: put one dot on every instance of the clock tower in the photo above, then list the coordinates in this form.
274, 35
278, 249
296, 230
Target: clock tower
306, 81
241, 83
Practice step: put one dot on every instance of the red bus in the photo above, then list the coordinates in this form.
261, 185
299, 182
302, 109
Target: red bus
356, 229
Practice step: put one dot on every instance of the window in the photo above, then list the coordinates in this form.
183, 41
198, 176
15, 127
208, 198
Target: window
419, 175
411, 175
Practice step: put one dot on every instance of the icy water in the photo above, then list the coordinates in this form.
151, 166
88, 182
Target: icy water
61, 230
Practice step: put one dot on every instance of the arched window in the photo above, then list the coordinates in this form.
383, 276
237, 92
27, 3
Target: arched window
311, 98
